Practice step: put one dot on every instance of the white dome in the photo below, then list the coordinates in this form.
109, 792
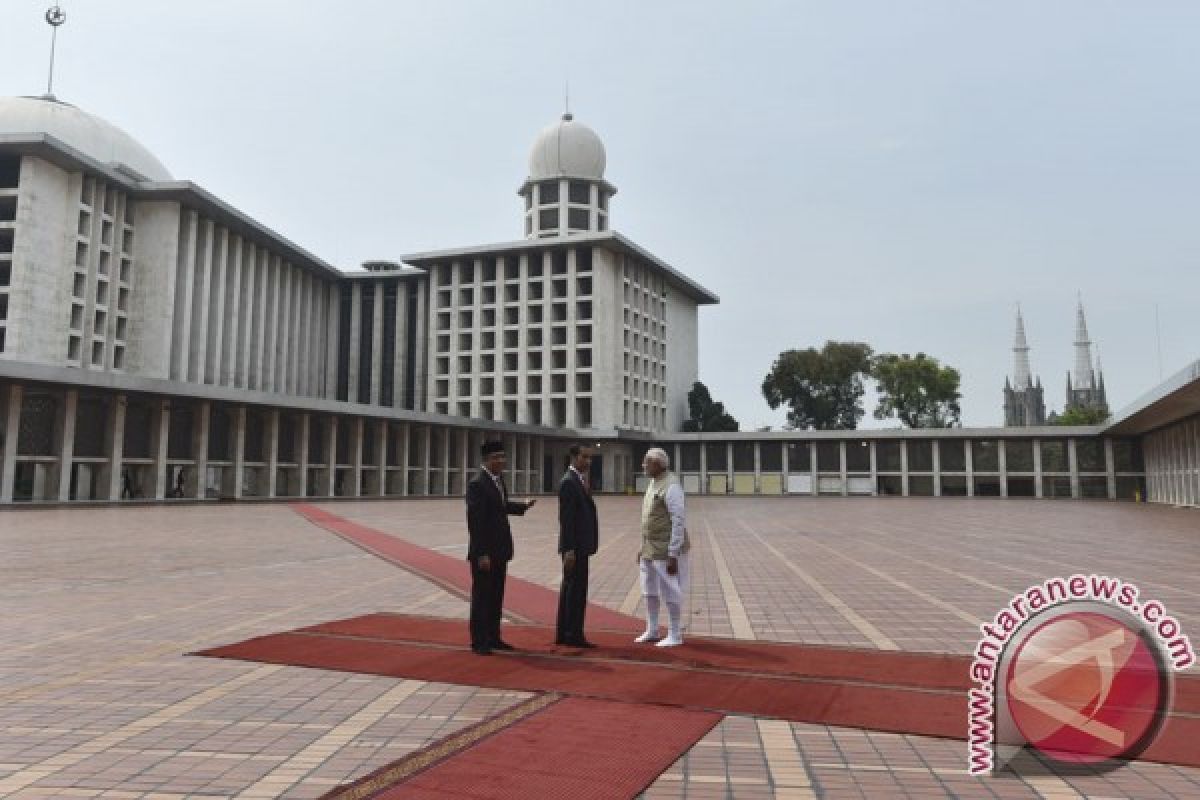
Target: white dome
567, 149
88, 134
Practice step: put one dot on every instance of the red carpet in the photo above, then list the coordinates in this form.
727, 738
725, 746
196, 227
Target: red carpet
573, 748
522, 599
884, 691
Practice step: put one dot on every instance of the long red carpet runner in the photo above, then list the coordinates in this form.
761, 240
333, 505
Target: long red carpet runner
547, 747
917, 693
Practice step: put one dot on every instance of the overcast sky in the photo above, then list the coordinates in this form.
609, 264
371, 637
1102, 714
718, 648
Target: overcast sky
897, 173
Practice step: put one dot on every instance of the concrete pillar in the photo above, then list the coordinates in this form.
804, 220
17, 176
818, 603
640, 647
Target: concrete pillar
703, 468
331, 428
216, 337
1073, 466
283, 321
426, 452
65, 442
422, 350
1002, 456
1110, 469
198, 359
302, 451
1037, 469
200, 434
757, 467
159, 438
871, 454
405, 437
355, 342
239, 450
970, 462
377, 344
904, 468
400, 354
383, 440
13, 397
272, 459
465, 450
728, 467
231, 343
813, 470
332, 331
114, 448
842, 462
357, 429
937, 467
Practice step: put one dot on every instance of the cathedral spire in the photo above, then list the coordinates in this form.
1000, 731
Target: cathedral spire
1021, 371
1084, 377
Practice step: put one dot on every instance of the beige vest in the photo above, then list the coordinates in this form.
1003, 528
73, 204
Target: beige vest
656, 520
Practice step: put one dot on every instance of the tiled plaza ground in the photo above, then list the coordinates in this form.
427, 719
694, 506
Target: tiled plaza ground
100, 606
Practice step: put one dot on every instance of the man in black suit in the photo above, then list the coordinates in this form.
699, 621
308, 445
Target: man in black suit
578, 539
490, 548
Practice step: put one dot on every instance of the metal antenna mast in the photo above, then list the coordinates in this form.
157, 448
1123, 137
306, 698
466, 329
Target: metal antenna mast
55, 17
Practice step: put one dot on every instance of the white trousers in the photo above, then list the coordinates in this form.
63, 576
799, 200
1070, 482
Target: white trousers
657, 583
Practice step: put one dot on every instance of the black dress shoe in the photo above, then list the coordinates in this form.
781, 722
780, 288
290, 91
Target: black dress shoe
576, 642
500, 644
481, 651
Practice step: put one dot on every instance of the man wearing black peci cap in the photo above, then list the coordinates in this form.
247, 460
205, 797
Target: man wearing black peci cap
490, 548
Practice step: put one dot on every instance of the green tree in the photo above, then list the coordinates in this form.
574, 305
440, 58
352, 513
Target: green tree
1081, 416
918, 390
707, 415
823, 388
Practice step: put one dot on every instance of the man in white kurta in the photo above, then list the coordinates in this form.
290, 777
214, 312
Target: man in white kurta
663, 560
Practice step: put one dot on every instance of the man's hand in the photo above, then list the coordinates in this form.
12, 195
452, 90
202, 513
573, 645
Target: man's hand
569, 562
672, 565
485, 563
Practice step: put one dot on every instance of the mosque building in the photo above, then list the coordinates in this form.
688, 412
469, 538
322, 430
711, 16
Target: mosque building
158, 343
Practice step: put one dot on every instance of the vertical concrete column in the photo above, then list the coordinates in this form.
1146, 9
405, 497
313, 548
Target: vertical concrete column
874, 468
426, 452
1110, 468
904, 467
1073, 466
216, 335
400, 355
785, 464
355, 341
1002, 456
331, 429
159, 439
422, 345
572, 321
65, 442
332, 331
970, 462
728, 467
447, 463
13, 397
813, 470
383, 441
231, 342
357, 430
114, 448
302, 451
182, 322
377, 344
1037, 468
757, 467
197, 361
842, 462
464, 452
510, 445
200, 433
239, 450
937, 467
272, 452
405, 444
703, 468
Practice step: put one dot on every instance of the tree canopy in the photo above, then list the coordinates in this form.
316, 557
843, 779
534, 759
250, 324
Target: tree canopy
823, 388
706, 414
916, 389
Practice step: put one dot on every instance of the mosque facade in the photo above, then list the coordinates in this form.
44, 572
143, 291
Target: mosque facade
157, 343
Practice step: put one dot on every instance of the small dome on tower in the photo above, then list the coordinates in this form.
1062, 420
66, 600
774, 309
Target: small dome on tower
567, 149
90, 135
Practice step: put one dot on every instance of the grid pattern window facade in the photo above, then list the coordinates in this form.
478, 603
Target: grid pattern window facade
102, 277
513, 337
644, 333
10, 179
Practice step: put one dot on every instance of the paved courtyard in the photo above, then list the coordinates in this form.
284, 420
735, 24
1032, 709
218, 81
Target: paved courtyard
100, 607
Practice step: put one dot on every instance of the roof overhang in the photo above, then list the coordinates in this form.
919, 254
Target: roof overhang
609, 239
1176, 398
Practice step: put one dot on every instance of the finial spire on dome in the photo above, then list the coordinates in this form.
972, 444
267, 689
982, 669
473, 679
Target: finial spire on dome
55, 17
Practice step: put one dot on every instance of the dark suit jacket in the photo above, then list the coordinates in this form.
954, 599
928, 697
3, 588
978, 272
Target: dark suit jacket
578, 525
487, 519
